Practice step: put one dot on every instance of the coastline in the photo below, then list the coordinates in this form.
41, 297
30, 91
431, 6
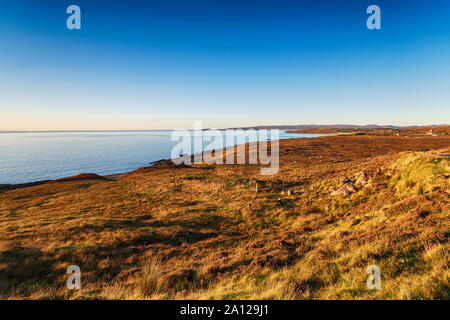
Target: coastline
115, 176
330, 198
168, 162
322, 131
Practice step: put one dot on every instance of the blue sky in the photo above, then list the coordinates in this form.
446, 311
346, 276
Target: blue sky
164, 64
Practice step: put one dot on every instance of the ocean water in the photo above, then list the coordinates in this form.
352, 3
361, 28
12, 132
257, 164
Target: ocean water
35, 156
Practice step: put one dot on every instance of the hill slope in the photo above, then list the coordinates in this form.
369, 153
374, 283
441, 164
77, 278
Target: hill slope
216, 232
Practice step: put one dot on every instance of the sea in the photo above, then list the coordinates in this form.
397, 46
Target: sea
36, 156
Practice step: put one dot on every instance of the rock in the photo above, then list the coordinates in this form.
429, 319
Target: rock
350, 187
369, 184
344, 191
346, 180
362, 179
363, 175
340, 192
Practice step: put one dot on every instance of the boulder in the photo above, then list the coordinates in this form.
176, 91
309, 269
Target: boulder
345, 190
362, 178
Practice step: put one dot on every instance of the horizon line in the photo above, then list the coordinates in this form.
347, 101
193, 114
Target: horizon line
341, 126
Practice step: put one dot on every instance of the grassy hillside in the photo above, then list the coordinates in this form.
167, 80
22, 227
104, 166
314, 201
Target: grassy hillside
336, 206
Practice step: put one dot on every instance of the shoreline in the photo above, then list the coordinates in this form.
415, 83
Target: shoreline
216, 224
115, 176
324, 132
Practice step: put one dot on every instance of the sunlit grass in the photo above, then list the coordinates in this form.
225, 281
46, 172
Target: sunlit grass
210, 233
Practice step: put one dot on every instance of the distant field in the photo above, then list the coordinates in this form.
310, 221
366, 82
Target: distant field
337, 205
421, 131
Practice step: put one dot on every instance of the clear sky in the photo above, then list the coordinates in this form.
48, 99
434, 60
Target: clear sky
163, 64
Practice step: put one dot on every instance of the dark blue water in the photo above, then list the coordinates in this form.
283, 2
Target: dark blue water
35, 156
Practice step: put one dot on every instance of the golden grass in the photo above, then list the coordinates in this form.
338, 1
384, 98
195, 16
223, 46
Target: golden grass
225, 232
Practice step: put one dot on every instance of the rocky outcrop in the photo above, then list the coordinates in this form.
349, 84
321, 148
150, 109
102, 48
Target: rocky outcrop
363, 180
349, 186
344, 190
